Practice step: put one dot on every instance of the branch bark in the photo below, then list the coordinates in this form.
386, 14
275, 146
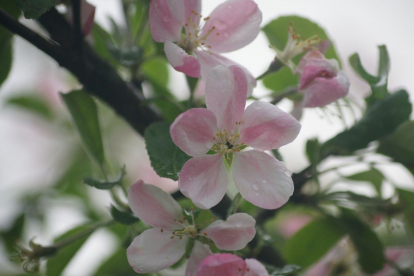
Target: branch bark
97, 76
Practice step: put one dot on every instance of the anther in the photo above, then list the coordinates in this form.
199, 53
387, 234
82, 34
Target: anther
192, 208
172, 237
248, 269
181, 237
218, 34
180, 221
205, 234
239, 269
207, 18
162, 230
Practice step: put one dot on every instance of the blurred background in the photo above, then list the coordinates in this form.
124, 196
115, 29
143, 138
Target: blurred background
38, 151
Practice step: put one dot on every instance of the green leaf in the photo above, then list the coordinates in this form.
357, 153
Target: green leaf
374, 176
6, 58
123, 217
85, 116
13, 234
57, 264
103, 184
235, 204
281, 80
33, 104
400, 145
313, 148
378, 83
370, 250
277, 34
406, 198
380, 119
286, 270
313, 241
33, 9
166, 158
156, 70
117, 265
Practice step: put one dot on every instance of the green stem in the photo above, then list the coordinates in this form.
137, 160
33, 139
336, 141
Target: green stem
80, 235
275, 66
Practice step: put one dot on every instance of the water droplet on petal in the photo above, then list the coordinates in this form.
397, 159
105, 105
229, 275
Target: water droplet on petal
239, 224
257, 194
255, 187
209, 144
264, 181
288, 173
230, 6
190, 178
257, 106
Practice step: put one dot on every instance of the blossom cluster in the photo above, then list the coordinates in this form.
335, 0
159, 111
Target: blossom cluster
226, 140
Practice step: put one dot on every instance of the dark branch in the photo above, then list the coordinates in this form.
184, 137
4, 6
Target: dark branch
77, 28
97, 76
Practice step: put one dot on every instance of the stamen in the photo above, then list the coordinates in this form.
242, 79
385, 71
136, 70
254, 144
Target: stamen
172, 237
162, 230
205, 234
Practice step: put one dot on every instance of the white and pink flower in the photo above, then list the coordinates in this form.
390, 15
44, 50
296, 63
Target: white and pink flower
321, 81
165, 244
225, 128
230, 265
231, 26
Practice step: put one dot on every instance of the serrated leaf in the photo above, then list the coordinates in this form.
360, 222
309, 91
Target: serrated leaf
85, 117
380, 119
57, 264
280, 81
374, 176
378, 83
277, 34
400, 145
103, 184
33, 9
370, 250
123, 217
313, 241
166, 158
33, 104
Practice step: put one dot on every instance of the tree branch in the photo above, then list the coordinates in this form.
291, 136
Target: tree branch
97, 76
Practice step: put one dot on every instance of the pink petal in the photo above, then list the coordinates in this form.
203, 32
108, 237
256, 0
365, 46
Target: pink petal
154, 250
191, 19
154, 206
234, 233
211, 60
199, 253
87, 17
181, 61
236, 22
193, 131
166, 19
262, 179
324, 91
265, 126
204, 180
311, 55
226, 90
222, 265
255, 268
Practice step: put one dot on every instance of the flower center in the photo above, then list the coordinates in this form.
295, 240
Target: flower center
191, 40
228, 144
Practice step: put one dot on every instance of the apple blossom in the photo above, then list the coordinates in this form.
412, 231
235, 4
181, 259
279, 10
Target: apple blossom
295, 45
225, 128
162, 246
321, 81
230, 265
231, 26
